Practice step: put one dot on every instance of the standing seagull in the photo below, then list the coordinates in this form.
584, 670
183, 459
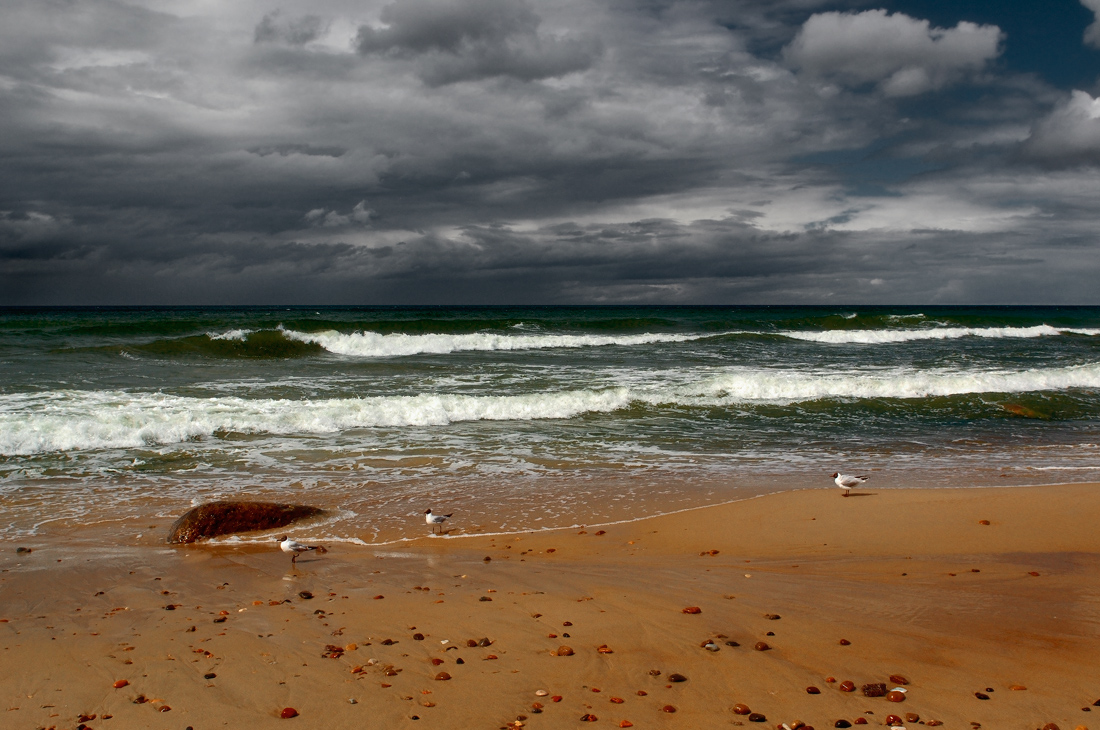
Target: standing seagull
848, 483
433, 520
293, 546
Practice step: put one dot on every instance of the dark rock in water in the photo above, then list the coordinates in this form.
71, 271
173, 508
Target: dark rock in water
225, 518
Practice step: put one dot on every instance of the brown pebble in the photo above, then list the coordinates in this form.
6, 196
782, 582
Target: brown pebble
811, 690
741, 709
589, 717
471, 642
899, 679
860, 721
875, 689
551, 550
556, 698
757, 717
485, 598
642, 693
830, 680
442, 677
933, 723
418, 637
487, 559
120, 683
1051, 726
1017, 688
1032, 572
981, 695
912, 717
85, 718
618, 700
761, 646
893, 720
692, 609
288, 712
566, 623
983, 522
842, 723
895, 696
484, 641
655, 672
436, 661
772, 616
668, 708
844, 642
847, 686
564, 651
677, 678
164, 708
491, 656
601, 532
604, 649
625, 723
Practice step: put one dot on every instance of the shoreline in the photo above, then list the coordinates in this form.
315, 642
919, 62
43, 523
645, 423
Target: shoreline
909, 577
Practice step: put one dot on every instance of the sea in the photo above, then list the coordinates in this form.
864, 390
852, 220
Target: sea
114, 421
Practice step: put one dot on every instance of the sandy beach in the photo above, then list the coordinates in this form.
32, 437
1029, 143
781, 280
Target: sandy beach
985, 601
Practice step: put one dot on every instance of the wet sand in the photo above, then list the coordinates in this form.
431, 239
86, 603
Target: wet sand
911, 579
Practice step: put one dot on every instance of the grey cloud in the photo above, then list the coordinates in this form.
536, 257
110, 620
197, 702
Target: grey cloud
298, 149
903, 55
1092, 33
274, 28
1069, 136
462, 40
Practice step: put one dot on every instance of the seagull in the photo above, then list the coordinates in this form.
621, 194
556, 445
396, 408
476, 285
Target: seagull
293, 546
847, 483
434, 520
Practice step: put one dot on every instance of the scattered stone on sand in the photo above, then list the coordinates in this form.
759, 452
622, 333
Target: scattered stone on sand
442, 677
893, 720
981, 695
288, 712
895, 696
604, 649
668, 708
564, 651
842, 723
541, 693
983, 522
589, 717
757, 717
625, 723
692, 609
912, 717
731, 643
844, 642
225, 518
875, 689
484, 641
305, 595
1017, 688
677, 678
811, 690
24, 550
772, 616
899, 679
933, 723
120, 683
859, 721
1051, 726
617, 700
847, 686
741, 709
762, 646
710, 646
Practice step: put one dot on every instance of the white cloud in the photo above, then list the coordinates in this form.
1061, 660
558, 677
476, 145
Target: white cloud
1092, 33
1070, 135
903, 55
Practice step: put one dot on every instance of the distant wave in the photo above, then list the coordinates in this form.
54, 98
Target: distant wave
72, 420
875, 337
372, 344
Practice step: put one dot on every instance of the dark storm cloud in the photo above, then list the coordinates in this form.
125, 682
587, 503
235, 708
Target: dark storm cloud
449, 151
461, 40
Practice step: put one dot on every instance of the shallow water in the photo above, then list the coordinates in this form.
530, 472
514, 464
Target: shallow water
523, 418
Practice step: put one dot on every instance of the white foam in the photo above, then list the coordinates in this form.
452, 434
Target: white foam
372, 344
67, 420
230, 335
875, 337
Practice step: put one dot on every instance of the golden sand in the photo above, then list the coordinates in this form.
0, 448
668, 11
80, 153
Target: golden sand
911, 579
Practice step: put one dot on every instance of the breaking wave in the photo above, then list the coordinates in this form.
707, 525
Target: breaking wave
875, 337
72, 420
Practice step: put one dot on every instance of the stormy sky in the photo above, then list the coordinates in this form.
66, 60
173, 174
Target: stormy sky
549, 151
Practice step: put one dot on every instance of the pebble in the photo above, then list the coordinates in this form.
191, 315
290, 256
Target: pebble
1050, 726
981, 695
120, 683
710, 646
442, 677
842, 723
668, 708
772, 616
305, 595
692, 609
642, 693
844, 642
847, 686
564, 651
876, 689
589, 717
761, 646
417, 637
811, 690
983, 522
24, 550
912, 717
353, 701
732, 643
860, 721
541, 693
893, 720
677, 678
898, 679
741, 709
209, 675
604, 649
933, 723
288, 712
556, 698
757, 717
895, 696
1017, 688
830, 680
625, 723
